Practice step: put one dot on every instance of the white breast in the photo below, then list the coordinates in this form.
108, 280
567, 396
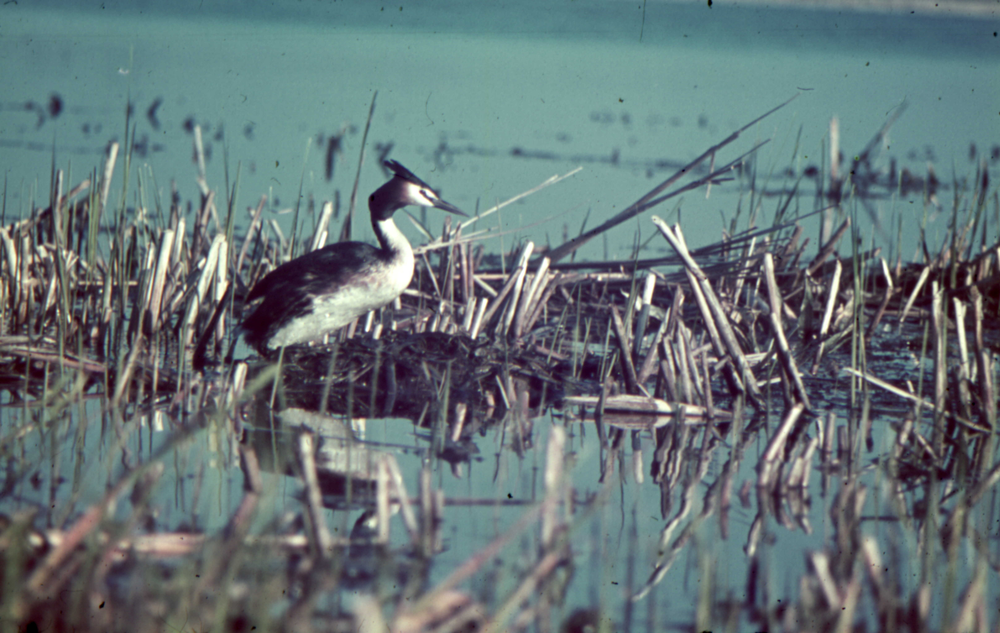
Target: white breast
377, 286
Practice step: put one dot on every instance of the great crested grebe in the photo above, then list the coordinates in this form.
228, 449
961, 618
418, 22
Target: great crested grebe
328, 288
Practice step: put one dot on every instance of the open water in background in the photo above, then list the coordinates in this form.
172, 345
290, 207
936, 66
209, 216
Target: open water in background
486, 102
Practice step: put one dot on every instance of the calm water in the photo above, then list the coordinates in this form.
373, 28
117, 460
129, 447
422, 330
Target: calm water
485, 104
72, 460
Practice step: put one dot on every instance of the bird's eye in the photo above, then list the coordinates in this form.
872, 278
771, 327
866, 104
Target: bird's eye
371, 197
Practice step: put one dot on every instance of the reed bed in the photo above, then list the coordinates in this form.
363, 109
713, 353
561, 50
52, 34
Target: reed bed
117, 296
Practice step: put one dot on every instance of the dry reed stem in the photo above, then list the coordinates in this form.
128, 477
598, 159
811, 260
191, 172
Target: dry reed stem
644, 307
685, 364
345, 234
668, 371
459, 422
468, 314
831, 299
109, 170
714, 312
649, 362
827, 248
984, 370
221, 285
125, 377
11, 346
548, 182
547, 289
924, 275
207, 212
709, 401
199, 152
939, 325
964, 377
784, 352
508, 286
649, 200
205, 279
322, 227
159, 279
625, 352
466, 272
255, 222
531, 294
745, 266
886, 298
514, 296
477, 321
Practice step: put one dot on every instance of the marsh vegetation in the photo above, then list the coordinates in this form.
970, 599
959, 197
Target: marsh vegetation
755, 385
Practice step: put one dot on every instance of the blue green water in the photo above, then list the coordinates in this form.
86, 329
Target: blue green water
485, 104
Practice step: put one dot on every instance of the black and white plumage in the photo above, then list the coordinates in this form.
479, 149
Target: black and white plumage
315, 294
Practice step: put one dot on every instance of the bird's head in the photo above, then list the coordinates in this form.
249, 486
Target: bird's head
405, 189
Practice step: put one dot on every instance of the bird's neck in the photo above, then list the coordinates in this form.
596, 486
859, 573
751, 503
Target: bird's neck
390, 238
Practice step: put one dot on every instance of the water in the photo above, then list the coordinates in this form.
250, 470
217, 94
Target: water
617, 526
486, 105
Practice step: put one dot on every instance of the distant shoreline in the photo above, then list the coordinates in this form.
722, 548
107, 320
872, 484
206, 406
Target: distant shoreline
949, 8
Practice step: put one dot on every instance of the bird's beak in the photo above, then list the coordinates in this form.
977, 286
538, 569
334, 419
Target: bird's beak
450, 208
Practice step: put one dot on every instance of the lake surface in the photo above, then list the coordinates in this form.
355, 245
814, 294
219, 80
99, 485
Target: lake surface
624, 517
485, 104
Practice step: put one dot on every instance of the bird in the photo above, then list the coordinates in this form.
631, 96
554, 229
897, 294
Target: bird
319, 292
